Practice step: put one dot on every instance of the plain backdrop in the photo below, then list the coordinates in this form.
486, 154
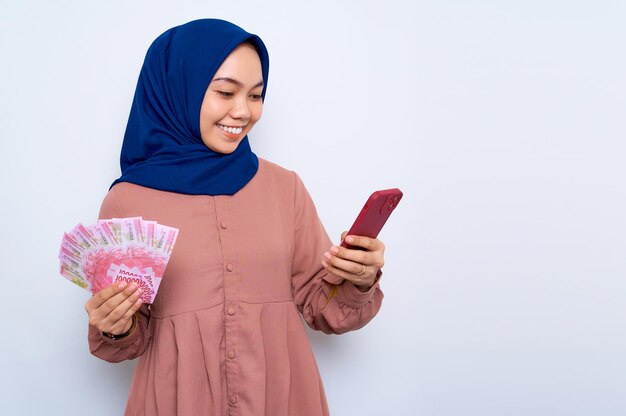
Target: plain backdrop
502, 121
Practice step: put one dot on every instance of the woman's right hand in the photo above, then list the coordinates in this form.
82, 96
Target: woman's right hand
111, 309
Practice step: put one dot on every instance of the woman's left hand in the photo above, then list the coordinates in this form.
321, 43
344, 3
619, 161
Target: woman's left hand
361, 267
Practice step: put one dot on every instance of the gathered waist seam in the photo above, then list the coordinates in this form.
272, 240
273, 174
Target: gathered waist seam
154, 316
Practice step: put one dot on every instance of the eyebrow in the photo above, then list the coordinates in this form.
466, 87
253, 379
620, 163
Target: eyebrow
238, 83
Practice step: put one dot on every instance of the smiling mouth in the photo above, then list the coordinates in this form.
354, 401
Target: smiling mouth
231, 130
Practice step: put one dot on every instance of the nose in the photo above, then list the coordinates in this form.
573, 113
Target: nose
240, 108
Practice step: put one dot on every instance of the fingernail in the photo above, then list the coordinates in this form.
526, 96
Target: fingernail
324, 264
327, 255
350, 239
334, 249
122, 285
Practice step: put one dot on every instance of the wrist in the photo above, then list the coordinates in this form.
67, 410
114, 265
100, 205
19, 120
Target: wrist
366, 288
129, 331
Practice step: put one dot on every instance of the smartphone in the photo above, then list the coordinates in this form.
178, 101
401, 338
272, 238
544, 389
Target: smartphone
374, 214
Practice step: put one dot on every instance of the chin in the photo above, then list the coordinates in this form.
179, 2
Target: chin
224, 148
226, 151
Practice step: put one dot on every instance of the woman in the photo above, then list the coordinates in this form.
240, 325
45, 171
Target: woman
224, 335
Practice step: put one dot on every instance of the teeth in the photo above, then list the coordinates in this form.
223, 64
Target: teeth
233, 130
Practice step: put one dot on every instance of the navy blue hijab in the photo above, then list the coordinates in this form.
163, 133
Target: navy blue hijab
162, 147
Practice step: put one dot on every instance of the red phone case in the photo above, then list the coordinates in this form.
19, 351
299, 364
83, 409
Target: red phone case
374, 214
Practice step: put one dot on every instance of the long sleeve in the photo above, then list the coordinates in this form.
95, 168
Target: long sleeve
349, 308
136, 343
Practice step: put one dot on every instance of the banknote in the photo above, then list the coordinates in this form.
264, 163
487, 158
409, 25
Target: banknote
164, 238
103, 234
130, 249
143, 278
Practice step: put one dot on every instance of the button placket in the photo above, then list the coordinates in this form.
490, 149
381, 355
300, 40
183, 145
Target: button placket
230, 285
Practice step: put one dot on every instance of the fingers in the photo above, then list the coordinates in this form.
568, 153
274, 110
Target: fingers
118, 300
369, 244
350, 266
356, 265
109, 298
367, 258
366, 279
111, 309
105, 294
370, 257
123, 324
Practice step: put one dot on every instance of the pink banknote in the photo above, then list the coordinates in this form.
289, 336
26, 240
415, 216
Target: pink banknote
116, 249
143, 278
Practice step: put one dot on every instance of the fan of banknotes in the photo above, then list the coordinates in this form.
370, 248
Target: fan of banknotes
115, 250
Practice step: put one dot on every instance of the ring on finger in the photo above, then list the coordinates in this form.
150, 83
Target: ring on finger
362, 270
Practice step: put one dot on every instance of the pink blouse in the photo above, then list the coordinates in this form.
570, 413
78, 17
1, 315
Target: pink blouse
225, 335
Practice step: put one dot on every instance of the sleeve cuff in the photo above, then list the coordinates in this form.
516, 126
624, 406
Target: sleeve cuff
351, 296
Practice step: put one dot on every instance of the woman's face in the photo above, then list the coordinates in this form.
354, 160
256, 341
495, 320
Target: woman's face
232, 103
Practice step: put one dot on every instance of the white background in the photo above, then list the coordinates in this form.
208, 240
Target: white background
503, 122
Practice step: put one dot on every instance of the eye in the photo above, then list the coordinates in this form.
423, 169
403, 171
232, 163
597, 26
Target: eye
225, 93
256, 97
